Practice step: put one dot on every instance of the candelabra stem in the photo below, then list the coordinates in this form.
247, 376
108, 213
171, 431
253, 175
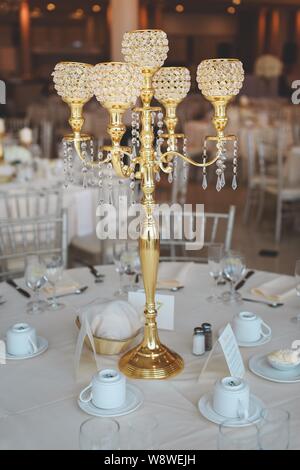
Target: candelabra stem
150, 359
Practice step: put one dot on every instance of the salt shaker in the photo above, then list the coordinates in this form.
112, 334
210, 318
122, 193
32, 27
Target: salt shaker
208, 336
198, 341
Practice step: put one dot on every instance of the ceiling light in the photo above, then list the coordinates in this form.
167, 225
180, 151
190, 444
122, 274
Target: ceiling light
231, 10
96, 8
77, 14
51, 6
179, 8
36, 13
236, 2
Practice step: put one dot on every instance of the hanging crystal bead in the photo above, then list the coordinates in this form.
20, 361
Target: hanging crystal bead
234, 162
132, 187
157, 176
110, 180
175, 169
65, 159
170, 177
204, 178
100, 174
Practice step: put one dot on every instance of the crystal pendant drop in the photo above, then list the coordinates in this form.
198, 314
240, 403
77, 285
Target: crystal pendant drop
170, 178
219, 185
234, 182
223, 182
157, 177
204, 181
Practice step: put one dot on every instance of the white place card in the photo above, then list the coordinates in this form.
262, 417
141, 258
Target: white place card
230, 348
164, 305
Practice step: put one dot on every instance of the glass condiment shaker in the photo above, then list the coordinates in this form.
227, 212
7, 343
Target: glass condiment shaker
198, 341
207, 328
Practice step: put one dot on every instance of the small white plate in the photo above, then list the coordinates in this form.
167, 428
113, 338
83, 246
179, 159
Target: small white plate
134, 399
260, 366
206, 409
253, 344
42, 347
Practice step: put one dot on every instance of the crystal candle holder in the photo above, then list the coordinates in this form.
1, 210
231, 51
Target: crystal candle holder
116, 84
171, 84
72, 81
220, 77
145, 48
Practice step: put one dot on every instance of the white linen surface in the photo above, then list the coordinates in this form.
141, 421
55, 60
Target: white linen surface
173, 274
277, 289
38, 397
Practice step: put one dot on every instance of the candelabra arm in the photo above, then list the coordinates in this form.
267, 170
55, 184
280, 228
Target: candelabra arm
171, 154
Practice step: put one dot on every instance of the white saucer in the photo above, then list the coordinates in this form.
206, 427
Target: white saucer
206, 409
42, 347
260, 366
253, 344
134, 399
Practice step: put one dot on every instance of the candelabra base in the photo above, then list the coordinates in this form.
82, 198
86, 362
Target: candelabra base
144, 363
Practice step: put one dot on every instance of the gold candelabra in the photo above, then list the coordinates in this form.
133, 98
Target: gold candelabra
117, 85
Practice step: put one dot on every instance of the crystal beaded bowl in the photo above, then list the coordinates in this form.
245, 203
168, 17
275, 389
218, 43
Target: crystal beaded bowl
220, 77
116, 83
72, 81
145, 48
171, 83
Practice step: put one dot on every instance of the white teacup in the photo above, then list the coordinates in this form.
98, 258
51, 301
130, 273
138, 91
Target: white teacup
107, 390
21, 340
231, 397
249, 328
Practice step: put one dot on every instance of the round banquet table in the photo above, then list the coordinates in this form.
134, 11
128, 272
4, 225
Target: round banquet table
38, 397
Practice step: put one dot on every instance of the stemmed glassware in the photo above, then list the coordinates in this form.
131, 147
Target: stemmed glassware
35, 278
118, 250
215, 255
99, 434
297, 277
233, 268
54, 272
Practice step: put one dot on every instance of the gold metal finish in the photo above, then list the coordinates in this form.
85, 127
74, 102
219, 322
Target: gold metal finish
150, 359
148, 50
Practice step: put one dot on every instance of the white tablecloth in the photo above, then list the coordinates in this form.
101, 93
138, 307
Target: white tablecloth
38, 397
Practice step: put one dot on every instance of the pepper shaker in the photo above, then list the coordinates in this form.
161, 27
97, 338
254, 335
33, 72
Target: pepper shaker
207, 328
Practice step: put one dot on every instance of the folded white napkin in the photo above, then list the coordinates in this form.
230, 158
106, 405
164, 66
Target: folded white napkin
116, 319
66, 285
278, 289
173, 274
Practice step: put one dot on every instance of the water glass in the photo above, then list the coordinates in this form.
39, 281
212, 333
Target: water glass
274, 429
237, 438
35, 278
214, 256
54, 273
141, 433
99, 434
233, 268
297, 277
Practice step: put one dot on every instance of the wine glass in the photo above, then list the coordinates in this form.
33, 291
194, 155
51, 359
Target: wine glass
274, 429
241, 438
297, 277
54, 273
129, 261
118, 250
99, 434
35, 278
233, 268
214, 256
